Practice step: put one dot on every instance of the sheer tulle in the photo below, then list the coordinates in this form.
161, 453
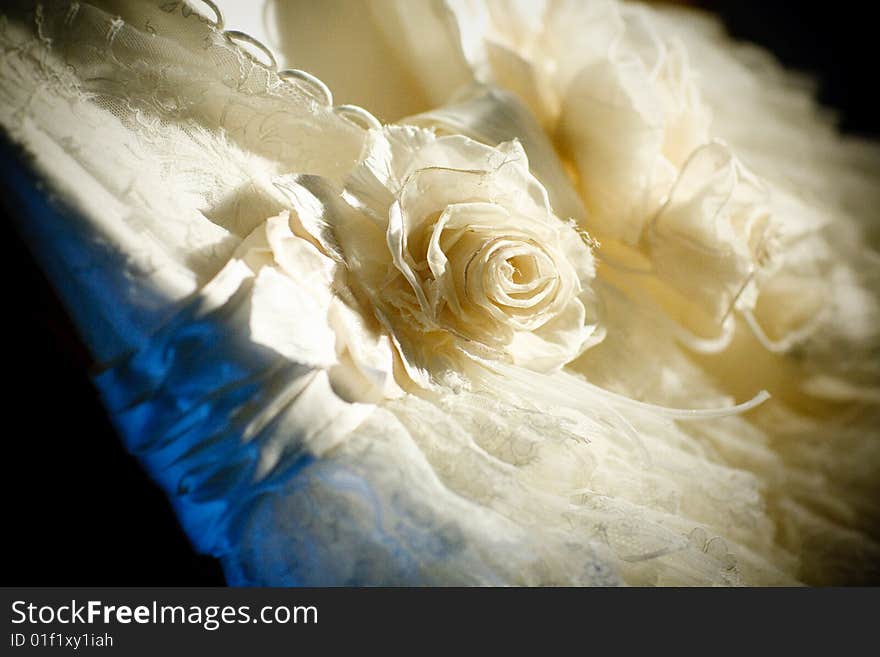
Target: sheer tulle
295, 461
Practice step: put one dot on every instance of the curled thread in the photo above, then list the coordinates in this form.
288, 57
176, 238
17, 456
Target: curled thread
359, 116
706, 345
235, 36
686, 413
218, 16
784, 344
72, 12
527, 379
314, 86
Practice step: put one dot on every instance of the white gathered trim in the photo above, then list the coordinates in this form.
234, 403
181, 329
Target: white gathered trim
308, 82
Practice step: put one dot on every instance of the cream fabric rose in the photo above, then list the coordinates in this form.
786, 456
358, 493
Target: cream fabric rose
617, 92
712, 235
638, 103
299, 306
265, 366
620, 98
459, 252
450, 244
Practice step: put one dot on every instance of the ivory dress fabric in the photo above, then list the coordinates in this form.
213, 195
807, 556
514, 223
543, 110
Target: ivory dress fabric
563, 293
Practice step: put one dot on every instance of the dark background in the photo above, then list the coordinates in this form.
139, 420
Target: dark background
80, 511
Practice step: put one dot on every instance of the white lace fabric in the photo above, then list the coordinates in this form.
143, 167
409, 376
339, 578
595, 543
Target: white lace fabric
164, 137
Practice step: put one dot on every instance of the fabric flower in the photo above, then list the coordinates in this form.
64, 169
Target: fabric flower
455, 248
299, 307
364, 354
473, 256
620, 100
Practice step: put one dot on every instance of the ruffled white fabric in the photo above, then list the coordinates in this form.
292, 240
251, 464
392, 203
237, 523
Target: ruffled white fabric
337, 383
